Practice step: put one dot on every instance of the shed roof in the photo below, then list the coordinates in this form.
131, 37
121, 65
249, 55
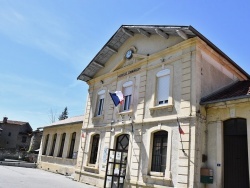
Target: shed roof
240, 89
15, 122
71, 120
127, 31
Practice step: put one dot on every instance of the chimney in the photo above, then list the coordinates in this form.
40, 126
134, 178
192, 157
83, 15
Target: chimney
5, 119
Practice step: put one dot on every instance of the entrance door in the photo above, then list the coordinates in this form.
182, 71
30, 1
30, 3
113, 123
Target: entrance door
235, 154
117, 163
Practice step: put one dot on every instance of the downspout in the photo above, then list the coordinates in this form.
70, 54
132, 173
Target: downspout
139, 166
83, 149
190, 116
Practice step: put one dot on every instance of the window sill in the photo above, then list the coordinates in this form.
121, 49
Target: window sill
153, 181
48, 156
98, 117
157, 176
91, 168
125, 112
163, 106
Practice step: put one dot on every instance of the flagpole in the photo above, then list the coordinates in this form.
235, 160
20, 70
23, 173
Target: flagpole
180, 135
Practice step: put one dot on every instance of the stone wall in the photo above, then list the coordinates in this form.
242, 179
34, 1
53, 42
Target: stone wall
17, 155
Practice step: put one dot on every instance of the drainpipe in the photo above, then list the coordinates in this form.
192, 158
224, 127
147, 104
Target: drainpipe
140, 158
83, 149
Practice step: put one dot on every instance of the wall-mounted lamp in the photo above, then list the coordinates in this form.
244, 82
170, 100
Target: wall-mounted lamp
111, 123
132, 126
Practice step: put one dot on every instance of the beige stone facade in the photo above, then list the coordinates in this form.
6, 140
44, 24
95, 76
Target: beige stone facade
15, 134
217, 114
59, 146
194, 67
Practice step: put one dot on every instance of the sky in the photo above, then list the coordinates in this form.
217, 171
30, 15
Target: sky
45, 45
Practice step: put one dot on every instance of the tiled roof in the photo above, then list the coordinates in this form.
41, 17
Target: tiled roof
127, 31
15, 122
237, 90
74, 119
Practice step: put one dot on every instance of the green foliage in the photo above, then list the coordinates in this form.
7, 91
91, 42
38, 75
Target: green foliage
64, 114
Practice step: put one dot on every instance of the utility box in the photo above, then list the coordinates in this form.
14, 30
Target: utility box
207, 176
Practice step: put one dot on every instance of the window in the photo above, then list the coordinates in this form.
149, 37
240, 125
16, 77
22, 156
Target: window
122, 142
163, 87
94, 149
100, 102
127, 92
53, 145
61, 145
24, 138
159, 151
46, 144
72, 145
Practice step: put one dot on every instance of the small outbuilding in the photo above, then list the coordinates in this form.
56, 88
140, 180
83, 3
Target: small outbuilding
59, 146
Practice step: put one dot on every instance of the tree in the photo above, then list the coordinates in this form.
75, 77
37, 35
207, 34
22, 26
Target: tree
64, 114
52, 116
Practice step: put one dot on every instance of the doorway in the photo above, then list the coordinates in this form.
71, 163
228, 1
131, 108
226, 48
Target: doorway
117, 163
236, 172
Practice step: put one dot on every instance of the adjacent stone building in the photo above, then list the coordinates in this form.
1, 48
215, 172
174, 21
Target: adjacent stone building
163, 73
59, 146
225, 119
35, 140
15, 134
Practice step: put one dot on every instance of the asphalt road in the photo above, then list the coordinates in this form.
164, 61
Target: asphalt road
18, 177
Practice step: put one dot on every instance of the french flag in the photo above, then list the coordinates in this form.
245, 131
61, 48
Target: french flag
180, 130
117, 97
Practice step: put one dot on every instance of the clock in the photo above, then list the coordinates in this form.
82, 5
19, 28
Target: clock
129, 54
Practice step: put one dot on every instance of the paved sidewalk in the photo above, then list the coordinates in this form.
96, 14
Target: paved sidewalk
18, 177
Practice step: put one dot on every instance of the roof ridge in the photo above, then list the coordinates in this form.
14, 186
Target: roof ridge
124, 32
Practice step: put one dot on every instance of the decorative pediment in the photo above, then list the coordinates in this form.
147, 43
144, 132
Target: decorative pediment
130, 57
125, 32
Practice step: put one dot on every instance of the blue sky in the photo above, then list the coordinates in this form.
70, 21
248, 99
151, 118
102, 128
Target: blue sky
44, 45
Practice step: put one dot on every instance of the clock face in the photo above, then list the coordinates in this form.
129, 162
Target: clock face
129, 54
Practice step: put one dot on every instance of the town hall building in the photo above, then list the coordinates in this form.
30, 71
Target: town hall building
167, 132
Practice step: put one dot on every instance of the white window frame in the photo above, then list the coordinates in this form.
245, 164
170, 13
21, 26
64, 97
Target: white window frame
100, 103
127, 90
149, 151
88, 164
91, 149
163, 91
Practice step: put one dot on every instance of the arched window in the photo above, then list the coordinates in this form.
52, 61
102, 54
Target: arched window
53, 145
122, 142
72, 145
94, 149
159, 151
46, 144
127, 89
61, 145
163, 87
